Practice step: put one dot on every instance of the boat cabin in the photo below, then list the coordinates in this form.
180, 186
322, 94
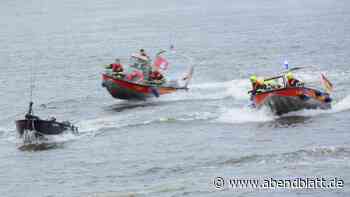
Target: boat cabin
277, 82
137, 61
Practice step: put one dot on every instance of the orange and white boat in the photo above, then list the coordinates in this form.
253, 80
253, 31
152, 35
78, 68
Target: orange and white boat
282, 98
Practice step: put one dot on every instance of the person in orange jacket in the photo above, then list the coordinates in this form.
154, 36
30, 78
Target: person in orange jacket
257, 84
292, 81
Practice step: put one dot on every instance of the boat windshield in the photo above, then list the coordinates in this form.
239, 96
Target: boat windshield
275, 83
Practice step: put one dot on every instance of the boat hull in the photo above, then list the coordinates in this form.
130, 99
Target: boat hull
292, 99
41, 127
122, 89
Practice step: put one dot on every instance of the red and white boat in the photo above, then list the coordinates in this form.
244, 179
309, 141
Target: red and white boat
121, 87
284, 98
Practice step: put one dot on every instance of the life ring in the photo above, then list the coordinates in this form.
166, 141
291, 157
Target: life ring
135, 74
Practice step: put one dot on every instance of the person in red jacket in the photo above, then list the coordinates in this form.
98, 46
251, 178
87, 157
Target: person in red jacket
144, 54
117, 66
157, 76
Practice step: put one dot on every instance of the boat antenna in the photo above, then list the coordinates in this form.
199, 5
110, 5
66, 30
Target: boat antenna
32, 79
190, 59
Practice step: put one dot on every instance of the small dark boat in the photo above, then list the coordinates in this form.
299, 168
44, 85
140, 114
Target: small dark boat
120, 87
283, 99
39, 128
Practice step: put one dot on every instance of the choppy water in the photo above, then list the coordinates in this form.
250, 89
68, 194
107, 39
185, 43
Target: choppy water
175, 145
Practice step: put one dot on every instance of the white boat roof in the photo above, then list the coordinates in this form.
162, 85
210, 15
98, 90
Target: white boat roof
138, 56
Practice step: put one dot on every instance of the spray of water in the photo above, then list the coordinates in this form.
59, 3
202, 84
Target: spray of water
244, 115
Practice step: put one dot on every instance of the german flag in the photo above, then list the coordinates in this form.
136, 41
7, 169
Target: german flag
327, 84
